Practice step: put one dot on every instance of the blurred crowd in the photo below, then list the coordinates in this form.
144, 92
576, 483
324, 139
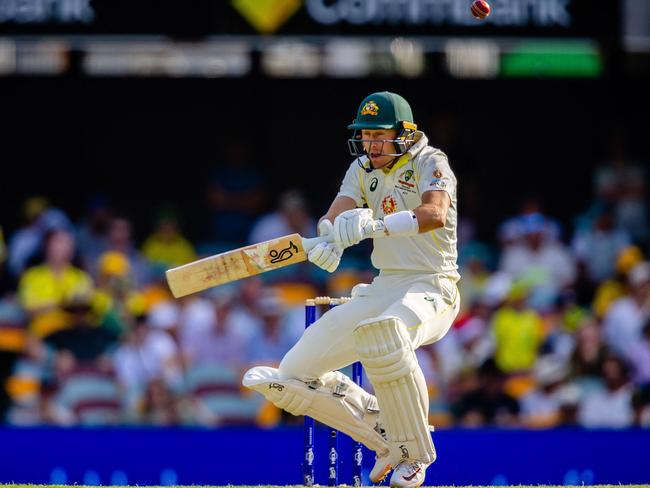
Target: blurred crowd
554, 328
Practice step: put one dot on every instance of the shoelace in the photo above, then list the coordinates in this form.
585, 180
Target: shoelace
414, 467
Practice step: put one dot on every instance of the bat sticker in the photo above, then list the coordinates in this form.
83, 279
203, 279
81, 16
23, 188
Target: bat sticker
284, 254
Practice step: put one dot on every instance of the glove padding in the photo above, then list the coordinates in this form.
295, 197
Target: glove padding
352, 226
326, 255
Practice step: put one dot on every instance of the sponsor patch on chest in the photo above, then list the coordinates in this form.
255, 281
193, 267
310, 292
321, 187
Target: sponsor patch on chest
388, 205
405, 186
405, 182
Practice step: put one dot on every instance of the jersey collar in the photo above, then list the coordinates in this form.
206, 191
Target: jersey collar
405, 158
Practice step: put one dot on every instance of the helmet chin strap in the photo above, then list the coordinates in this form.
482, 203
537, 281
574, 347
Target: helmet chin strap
369, 168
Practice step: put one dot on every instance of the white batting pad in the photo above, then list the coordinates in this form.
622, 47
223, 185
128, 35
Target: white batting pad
388, 357
334, 400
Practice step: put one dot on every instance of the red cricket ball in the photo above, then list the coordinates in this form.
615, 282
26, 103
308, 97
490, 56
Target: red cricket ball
480, 9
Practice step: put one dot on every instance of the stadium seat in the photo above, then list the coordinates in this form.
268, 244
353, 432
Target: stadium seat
216, 391
87, 397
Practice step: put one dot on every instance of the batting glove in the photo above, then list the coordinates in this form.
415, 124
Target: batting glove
326, 255
352, 226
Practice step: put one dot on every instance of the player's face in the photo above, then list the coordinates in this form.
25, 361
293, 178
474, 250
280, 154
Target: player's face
376, 144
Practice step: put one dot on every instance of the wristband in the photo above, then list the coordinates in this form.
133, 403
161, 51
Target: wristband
403, 223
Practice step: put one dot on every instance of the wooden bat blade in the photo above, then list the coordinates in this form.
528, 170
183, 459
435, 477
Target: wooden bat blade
235, 265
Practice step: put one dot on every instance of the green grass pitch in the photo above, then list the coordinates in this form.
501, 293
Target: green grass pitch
297, 486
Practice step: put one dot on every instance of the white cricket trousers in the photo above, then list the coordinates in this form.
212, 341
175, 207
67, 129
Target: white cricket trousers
426, 304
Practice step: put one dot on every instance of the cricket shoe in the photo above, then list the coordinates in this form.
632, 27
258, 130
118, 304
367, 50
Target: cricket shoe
408, 474
383, 466
383, 463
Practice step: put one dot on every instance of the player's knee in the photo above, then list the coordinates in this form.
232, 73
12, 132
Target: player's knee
387, 333
384, 347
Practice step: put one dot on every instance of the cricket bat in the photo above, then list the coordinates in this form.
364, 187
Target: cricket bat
240, 263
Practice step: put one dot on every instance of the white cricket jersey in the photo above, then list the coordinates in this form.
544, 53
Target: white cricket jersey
422, 169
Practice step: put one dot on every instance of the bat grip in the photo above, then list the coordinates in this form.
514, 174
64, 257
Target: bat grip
309, 243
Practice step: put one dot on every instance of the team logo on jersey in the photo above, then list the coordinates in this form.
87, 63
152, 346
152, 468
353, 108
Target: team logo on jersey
370, 108
373, 184
408, 174
388, 205
437, 174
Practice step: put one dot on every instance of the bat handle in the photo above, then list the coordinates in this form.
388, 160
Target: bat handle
309, 243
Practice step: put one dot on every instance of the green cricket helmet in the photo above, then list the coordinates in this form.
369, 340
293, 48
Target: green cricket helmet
383, 110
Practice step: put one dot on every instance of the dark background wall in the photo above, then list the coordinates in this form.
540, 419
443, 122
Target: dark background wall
151, 141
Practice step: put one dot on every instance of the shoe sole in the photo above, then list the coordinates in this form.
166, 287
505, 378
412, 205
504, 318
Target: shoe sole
397, 485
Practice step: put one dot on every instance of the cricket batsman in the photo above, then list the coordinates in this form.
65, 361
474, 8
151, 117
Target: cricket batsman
400, 192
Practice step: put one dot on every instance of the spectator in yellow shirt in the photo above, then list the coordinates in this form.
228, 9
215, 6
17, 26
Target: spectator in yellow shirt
518, 333
616, 287
166, 247
44, 288
117, 300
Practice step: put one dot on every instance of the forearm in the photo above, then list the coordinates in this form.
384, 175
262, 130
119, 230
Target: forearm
432, 213
430, 217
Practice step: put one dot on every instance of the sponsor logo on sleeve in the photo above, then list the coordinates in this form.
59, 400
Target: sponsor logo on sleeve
437, 183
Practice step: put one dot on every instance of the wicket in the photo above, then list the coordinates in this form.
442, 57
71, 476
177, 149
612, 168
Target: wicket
308, 476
